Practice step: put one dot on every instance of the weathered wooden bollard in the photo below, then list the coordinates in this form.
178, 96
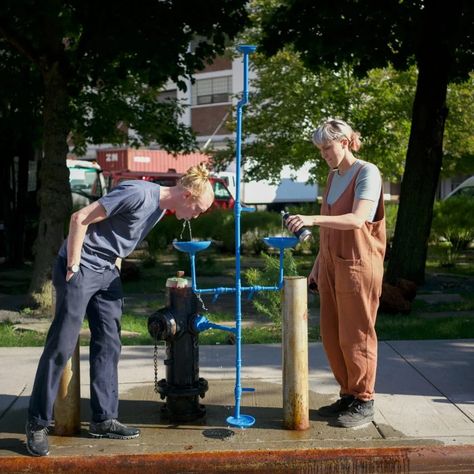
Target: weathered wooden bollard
67, 407
295, 353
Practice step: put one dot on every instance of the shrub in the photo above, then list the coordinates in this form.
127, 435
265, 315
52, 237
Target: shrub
308, 208
257, 225
391, 210
453, 220
215, 225
163, 234
269, 302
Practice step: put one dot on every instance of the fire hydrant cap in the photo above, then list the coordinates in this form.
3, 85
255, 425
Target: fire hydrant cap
177, 282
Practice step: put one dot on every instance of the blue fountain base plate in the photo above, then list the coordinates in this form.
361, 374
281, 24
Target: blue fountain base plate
243, 421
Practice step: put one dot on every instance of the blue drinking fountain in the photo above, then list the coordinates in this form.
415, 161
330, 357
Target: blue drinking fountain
202, 323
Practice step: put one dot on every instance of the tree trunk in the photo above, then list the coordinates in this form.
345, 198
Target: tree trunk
420, 180
54, 194
17, 237
425, 148
6, 216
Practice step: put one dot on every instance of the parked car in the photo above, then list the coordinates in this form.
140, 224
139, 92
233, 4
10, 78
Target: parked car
466, 188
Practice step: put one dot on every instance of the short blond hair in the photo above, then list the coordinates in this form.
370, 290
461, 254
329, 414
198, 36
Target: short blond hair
196, 180
336, 129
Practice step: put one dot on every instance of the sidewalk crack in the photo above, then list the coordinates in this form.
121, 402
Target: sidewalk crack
467, 415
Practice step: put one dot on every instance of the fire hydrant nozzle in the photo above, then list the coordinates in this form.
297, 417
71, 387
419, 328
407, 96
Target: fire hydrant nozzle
162, 325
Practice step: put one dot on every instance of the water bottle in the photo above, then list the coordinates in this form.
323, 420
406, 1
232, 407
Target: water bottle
302, 234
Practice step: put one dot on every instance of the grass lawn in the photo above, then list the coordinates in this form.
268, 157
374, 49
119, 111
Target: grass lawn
399, 327
215, 268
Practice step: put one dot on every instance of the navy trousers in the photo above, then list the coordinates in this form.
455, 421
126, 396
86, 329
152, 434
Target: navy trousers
99, 295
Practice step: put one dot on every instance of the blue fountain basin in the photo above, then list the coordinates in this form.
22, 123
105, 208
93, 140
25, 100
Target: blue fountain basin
246, 48
281, 242
191, 246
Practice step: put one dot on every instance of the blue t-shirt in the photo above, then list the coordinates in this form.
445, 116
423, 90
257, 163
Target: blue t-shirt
132, 210
368, 184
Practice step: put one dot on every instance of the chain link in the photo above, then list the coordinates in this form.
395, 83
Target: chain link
199, 298
155, 364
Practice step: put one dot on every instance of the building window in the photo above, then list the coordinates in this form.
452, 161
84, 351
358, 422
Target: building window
212, 91
166, 96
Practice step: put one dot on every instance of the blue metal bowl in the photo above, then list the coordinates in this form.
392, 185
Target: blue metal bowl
281, 242
246, 48
191, 246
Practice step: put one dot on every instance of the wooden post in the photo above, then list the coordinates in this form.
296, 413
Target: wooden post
67, 406
295, 353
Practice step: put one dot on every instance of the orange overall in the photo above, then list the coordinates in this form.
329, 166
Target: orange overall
350, 283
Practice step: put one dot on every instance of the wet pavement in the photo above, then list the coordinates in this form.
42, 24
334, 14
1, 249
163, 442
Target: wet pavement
424, 414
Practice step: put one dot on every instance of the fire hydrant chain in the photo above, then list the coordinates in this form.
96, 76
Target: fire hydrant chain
155, 364
203, 306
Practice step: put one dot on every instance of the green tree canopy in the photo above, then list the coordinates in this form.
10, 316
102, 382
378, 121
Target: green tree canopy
290, 100
101, 51
458, 144
280, 119
437, 37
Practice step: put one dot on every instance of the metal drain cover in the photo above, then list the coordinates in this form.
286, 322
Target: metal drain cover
218, 433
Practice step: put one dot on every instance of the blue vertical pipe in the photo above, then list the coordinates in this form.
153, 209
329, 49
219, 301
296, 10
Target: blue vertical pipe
192, 256
238, 419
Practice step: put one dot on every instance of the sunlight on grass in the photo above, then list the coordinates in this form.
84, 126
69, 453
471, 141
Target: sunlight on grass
413, 327
11, 338
151, 285
399, 327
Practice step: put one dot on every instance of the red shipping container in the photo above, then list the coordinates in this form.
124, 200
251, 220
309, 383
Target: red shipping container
156, 161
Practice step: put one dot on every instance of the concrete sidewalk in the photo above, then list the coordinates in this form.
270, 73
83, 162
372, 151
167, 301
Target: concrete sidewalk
425, 401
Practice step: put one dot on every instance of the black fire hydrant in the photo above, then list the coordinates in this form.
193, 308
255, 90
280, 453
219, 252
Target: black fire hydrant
174, 324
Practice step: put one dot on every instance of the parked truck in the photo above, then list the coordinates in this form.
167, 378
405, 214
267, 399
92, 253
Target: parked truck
158, 166
292, 188
87, 182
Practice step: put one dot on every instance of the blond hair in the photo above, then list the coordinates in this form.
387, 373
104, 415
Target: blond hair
335, 129
196, 180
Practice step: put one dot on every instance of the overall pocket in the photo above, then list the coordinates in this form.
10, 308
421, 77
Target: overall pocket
349, 275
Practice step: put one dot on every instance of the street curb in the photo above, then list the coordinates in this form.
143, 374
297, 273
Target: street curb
418, 459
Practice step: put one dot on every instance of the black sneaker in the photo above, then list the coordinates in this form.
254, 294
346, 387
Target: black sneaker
112, 429
333, 410
36, 439
359, 413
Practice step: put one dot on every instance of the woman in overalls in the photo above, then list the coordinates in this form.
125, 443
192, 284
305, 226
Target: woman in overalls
348, 270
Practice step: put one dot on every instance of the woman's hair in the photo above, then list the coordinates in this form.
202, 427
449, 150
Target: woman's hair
196, 180
334, 129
